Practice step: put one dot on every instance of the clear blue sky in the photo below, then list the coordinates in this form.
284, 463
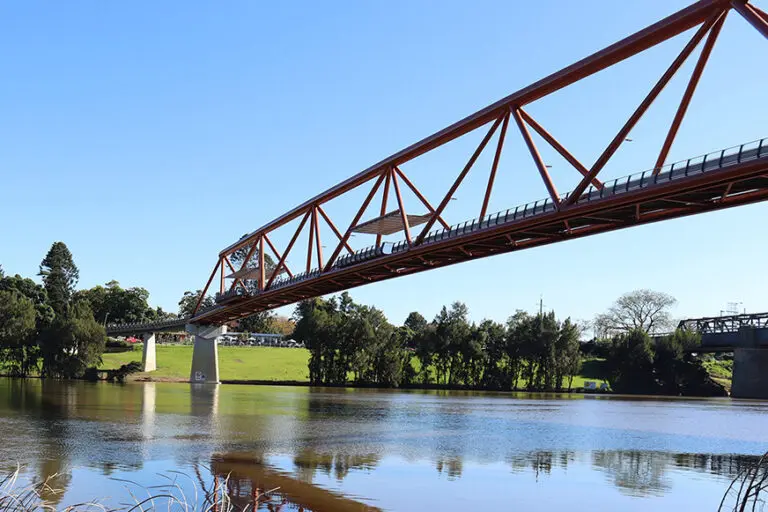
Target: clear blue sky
149, 135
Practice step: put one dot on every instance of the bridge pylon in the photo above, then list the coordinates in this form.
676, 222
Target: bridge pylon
149, 353
205, 354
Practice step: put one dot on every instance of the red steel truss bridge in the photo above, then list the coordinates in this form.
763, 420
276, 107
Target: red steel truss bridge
722, 179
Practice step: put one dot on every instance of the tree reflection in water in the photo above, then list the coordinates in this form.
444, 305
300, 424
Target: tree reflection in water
634, 472
451, 465
308, 461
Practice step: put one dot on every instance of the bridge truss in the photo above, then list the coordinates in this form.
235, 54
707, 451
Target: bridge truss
727, 178
725, 324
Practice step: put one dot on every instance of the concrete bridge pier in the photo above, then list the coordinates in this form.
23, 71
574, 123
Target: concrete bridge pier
750, 364
149, 355
205, 356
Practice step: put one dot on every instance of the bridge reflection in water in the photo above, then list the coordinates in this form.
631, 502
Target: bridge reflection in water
247, 479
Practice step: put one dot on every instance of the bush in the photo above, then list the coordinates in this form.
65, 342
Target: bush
121, 373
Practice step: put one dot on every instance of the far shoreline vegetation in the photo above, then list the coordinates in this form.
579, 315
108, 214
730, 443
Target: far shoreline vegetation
53, 330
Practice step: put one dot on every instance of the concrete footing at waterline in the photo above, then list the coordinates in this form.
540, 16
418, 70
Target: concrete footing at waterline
750, 373
149, 354
750, 364
205, 354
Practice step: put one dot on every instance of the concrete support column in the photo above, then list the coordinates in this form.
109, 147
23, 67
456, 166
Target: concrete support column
205, 356
149, 356
750, 373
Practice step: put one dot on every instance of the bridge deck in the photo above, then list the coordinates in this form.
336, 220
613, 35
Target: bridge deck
723, 179
170, 325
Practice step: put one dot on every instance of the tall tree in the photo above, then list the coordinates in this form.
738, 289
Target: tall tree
630, 363
644, 310
60, 276
189, 301
35, 293
424, 343
18, 349
113, 304
497, 371
261, 322
415, 321
568, 354
283, 325
74, 342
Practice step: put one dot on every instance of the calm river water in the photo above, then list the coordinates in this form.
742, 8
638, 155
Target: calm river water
336, 449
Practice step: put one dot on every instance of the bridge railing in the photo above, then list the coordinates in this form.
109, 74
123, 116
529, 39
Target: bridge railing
701, 164
693, 166
143, 326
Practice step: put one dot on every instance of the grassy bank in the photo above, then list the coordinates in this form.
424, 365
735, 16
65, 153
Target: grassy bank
235, 363
259, 364
720, 370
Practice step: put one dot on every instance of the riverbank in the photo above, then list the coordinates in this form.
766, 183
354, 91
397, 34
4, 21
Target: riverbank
266, 366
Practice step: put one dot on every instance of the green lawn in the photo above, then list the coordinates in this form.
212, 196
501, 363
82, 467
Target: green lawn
720, 370
235, 363
259, 363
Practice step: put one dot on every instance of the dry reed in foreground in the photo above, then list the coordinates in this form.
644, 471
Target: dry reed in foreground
168, 496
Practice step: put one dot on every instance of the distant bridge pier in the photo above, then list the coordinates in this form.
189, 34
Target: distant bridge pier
745, 335
149, 354
750, 364
205, 355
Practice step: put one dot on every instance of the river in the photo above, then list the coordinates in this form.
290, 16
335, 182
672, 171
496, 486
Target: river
344, 449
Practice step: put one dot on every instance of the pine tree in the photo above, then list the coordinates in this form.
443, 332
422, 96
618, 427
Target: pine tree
60, 276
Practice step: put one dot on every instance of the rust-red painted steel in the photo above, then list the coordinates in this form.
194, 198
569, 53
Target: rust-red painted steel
384, 199
334, 229
537, 159
421, 197
639, 111
650, 36
755, 17
458, 180
262, 265
494, 166
311, 239
621, 211
690, 89
232, 268
760, 13
354, 222
403, 214
205, 288
318, 243
277, 255
281, 263
558, 147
